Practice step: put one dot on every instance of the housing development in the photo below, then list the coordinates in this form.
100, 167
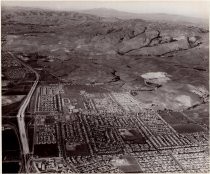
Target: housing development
72, 121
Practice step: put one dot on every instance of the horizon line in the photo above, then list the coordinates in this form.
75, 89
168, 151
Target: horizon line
81, 10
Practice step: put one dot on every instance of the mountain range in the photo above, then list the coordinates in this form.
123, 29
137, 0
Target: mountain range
161, 17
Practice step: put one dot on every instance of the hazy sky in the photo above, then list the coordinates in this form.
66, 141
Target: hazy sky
186, 8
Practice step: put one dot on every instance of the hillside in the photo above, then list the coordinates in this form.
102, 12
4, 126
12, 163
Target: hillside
134, 36
85, 49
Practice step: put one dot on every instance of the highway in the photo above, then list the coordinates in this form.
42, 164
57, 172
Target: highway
21, 112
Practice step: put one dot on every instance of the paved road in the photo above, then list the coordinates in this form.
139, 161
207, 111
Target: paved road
21, 112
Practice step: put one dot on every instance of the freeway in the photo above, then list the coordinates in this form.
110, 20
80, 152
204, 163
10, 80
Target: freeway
21, 112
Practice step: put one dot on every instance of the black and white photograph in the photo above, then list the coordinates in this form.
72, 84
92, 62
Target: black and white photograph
104, 86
